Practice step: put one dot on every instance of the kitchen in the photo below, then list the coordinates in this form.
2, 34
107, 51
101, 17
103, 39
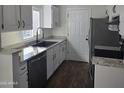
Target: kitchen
39, 42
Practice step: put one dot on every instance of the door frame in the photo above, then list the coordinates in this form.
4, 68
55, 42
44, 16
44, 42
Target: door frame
67, 31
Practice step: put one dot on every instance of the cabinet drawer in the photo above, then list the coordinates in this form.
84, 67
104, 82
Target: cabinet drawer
23, 80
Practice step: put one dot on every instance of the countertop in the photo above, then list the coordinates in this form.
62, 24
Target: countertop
26, 51
110, 62
108, 48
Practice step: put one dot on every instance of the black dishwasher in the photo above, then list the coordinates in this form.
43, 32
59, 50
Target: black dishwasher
37, 71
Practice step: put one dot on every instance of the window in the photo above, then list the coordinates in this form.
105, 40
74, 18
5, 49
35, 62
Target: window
36, 23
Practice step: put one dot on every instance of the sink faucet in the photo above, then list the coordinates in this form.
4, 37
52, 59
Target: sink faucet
39, 28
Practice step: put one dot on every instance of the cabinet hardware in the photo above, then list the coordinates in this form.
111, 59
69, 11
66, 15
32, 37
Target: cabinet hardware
53, 57
23, 68
63, 49
18, 24
37, 59
2, 26
68, 15
23, 22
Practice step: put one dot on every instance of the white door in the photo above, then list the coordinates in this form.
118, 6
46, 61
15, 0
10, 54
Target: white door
78, 28
26, 17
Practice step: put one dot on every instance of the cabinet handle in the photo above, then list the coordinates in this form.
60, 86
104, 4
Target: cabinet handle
23, 68
23, 23
55, 55
18, 24
63, 49
37, 59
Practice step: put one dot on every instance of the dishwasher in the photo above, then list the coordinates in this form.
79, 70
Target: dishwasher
37, 71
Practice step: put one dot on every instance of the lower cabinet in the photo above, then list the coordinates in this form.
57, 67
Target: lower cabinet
108, 77
49, 62
62, 51
55, 56
23, 75
23, 80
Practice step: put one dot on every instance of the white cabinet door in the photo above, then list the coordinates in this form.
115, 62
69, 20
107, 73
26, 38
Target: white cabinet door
0, 17
121, 26
50, 69
62, 51
26, 17
47, 16
108, 77
23, 80
55, 16
11, 20
0, 23
56, 57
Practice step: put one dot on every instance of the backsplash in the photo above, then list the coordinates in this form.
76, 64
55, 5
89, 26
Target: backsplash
10, 38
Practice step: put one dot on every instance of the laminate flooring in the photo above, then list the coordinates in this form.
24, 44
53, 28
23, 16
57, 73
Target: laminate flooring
71, 74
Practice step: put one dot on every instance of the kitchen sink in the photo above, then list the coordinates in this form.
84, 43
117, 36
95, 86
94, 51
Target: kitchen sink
44, 44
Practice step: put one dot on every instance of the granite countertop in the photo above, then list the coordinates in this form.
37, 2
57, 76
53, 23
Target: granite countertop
111, 62
108, 48
26, 51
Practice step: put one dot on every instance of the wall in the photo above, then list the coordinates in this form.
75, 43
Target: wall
97, 11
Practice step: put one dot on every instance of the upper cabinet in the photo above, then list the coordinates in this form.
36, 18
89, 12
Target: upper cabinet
26, 16
16, 17
11, 20
50, 16
47, 16
0, 19
56, 17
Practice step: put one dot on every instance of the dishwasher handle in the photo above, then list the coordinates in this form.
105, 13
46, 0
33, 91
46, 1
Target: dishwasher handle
37, 59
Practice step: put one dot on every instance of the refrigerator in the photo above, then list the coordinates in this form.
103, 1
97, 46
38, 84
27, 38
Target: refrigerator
100, 35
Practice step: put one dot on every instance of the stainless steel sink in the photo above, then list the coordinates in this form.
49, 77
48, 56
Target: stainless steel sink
44, 44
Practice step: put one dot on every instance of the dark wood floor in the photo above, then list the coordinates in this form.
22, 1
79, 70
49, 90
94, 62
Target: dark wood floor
71, 74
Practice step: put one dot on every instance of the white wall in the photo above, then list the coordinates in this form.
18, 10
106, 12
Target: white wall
97, 11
